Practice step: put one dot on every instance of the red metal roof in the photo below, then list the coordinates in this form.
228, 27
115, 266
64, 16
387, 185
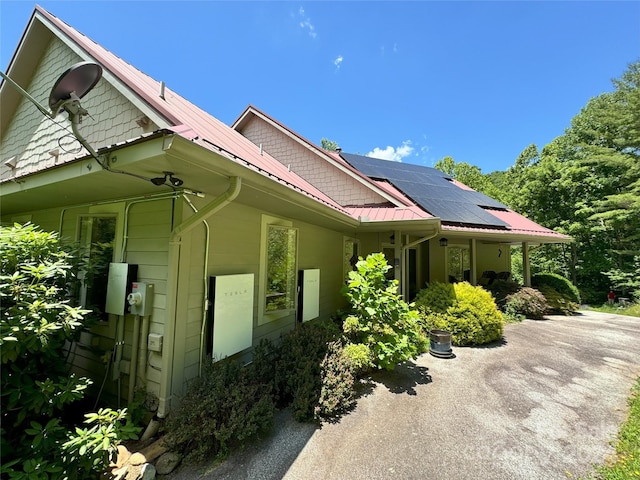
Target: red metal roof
189, 121
186, 119
390, 213
516, 223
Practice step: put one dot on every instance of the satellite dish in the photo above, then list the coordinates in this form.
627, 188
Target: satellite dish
79, 79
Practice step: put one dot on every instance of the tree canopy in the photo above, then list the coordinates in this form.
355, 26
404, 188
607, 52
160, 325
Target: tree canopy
586, 184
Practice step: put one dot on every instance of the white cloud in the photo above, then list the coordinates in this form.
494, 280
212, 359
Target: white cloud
392, 154
305, 23
338, 61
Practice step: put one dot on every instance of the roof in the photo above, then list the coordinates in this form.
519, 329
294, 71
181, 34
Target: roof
184, 118
460, 208
432, 190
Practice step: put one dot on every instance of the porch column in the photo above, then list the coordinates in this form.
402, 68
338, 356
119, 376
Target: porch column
473, 274
526, 271
398, 262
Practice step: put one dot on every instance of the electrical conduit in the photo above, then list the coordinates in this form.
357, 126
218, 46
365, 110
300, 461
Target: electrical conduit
175, 242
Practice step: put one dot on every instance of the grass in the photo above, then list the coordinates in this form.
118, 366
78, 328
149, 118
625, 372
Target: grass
626, 463
632, 310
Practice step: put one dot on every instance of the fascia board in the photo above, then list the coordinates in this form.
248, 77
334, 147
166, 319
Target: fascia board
422, 225
201, 157
507, 237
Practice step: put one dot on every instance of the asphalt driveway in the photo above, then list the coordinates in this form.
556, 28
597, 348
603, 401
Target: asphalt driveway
544, 404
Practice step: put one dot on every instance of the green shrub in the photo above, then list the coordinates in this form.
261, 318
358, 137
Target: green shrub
298, 374
559, 284
223, 408
438, 297
472, 319
337, 395
501, 289
527, 302
379, 318
359, 356
558, 303
36, 324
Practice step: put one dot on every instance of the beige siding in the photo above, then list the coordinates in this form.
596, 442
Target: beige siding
341, 187
149, 228
491, 256
31, 136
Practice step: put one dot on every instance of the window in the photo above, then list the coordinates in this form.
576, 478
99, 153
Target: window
350, 255
458, 264
96, 245
281, 268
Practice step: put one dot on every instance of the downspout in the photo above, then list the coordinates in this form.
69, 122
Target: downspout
404, 258
175, 242
205, 280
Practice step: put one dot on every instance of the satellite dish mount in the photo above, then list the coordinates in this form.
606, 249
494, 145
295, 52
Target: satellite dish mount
65, 95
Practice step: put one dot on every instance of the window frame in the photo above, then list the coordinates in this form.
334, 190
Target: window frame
264, 315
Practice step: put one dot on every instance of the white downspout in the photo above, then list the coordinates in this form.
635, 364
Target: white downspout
175, 242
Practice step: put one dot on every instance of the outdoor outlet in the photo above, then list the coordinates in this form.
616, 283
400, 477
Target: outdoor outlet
154, 342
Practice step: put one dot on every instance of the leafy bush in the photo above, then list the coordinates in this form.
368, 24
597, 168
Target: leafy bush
501, 289
472, 319
559, 284
337, 395
298, 374
37, 390
528, 302
223, 408
558, 303
379, 318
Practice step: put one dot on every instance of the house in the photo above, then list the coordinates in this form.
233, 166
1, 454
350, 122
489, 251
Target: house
206, 238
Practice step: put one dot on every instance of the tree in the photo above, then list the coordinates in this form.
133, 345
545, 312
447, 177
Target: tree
585, 184
463, 172
329, 144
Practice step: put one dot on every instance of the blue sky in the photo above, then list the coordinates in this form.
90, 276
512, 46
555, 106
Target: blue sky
408, 81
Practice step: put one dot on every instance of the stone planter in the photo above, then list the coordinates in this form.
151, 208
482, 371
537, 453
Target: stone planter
440, 344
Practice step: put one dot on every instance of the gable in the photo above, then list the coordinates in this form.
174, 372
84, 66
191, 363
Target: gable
339, 186
37, 142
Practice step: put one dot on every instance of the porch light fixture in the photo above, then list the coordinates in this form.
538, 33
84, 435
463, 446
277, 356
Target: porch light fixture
444, 242
168, 177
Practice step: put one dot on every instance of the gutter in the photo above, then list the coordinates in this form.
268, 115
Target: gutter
175, 242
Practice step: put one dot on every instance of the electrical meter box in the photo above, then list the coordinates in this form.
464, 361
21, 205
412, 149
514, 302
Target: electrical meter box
121, 275
141, 299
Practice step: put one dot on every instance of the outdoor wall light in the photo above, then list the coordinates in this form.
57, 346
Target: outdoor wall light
168, 176
444, 242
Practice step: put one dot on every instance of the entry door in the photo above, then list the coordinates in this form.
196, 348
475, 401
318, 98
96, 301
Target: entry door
390, 255
412, 274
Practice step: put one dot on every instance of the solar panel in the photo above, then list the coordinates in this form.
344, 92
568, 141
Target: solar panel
431, 189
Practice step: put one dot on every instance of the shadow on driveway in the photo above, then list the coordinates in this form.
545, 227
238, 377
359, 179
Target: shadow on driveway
544, 405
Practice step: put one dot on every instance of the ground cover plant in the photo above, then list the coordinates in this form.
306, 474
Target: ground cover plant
37, 390
631, 310
468, 312
626, 464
